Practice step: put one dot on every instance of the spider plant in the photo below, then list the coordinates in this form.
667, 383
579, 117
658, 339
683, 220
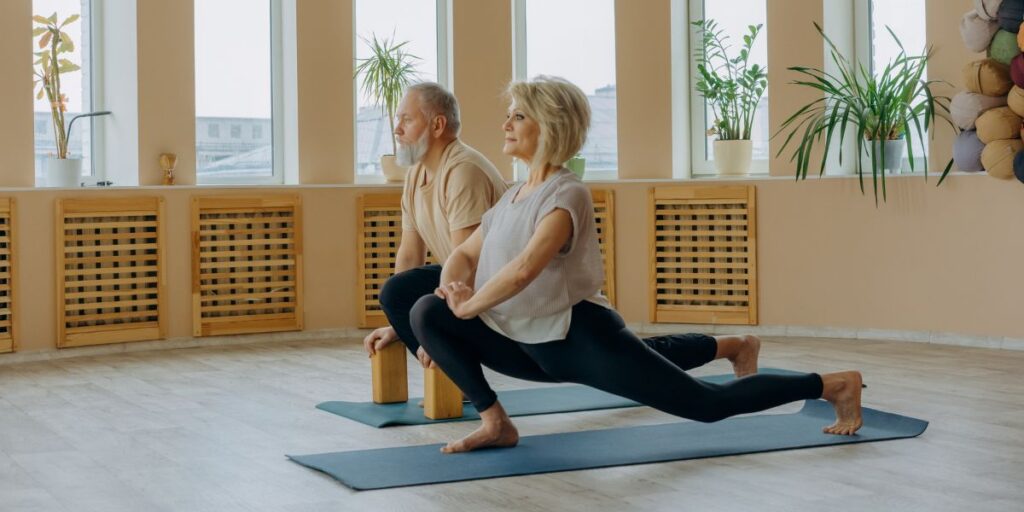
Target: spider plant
873, 109
386, 73
732, 86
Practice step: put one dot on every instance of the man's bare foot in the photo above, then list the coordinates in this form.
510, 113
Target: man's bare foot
744, 362
843, 391
497, 431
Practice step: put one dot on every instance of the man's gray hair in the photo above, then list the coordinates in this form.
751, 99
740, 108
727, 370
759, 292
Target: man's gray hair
438, 101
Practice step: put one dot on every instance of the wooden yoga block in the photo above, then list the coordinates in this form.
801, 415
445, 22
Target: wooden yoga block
442, 398
390, 381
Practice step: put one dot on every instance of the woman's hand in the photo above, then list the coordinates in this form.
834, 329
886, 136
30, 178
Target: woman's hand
457, 294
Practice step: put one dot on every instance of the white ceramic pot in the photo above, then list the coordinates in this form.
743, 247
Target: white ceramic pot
392, 171
733, 157
893, 156
63, 172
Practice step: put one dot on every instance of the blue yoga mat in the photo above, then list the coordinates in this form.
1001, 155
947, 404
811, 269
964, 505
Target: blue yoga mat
419, 465
520, 402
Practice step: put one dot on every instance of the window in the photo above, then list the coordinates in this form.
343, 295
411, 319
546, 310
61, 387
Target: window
575, 39
237, 43
420, 24
733, 19
257, 132
877, 48
76, 86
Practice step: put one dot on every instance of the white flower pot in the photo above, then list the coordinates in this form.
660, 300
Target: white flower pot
893, 156
63, 172
733, 157
392, 171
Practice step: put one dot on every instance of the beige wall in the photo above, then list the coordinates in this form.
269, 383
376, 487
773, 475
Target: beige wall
482, 54
325, 91
644, 88
16, 123
826, 256
930, 260
167, 98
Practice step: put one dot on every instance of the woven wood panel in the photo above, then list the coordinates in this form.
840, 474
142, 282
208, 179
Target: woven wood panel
703, 255
604, 216
378, 232
246, 265
7, 328
379, 227
110, 276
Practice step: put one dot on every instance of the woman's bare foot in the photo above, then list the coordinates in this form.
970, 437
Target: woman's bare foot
497, 431
741, 350
843, 391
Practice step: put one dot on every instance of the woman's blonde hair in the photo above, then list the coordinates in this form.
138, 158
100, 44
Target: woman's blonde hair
562, 111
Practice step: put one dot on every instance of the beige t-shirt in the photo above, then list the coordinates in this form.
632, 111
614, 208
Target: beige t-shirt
465, 186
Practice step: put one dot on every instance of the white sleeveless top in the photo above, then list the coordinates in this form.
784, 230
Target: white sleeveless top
543, 310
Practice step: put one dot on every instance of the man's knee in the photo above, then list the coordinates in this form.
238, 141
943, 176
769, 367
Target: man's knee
396, 290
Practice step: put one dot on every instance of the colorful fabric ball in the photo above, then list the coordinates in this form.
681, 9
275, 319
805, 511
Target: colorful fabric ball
998, 124
988, 77
1004, 47
966, 107
1011, 13
967, 151
976, 32
998, 156
987, 10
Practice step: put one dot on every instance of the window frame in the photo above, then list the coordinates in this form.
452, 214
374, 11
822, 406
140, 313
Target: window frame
445, 76
94, 87
277, 120
863, 35
519, 72
701, 166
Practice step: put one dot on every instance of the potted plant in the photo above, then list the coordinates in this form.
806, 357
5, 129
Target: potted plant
577, 164
732, 88
386, 74
879, 113
61, 170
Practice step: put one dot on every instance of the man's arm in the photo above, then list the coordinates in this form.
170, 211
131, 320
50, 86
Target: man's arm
412, 251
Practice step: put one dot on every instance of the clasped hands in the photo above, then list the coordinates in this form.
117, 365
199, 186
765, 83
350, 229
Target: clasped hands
457, 295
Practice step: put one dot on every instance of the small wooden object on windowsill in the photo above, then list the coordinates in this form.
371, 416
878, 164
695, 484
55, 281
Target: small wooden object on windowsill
168, 161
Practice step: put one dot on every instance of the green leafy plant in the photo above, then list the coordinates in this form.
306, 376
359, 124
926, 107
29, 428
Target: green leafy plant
386, 74
51, 61
871, 108
732, 86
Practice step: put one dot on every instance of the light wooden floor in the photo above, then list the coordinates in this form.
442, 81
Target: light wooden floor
207, 429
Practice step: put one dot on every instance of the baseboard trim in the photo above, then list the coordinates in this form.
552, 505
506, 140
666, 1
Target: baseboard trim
797, 331
938, 338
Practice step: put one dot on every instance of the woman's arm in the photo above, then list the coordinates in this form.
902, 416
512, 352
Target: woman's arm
461, 265
553, 232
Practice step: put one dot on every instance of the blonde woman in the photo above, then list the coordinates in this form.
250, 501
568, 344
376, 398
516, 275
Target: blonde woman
521, 296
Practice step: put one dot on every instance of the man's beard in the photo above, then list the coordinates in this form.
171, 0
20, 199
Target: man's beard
409, 155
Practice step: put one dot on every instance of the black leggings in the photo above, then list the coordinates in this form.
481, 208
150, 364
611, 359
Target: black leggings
400, 293
599, 351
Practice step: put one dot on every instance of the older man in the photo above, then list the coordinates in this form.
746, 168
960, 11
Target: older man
448, 188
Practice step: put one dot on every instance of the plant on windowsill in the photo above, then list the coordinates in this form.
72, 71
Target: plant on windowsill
879, 111
577, 164
732, 88
386, 73
55, 44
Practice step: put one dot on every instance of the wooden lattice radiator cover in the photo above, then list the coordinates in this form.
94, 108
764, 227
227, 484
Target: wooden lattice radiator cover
7, 327
110, 273
379, 231
246, 264
703, 255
